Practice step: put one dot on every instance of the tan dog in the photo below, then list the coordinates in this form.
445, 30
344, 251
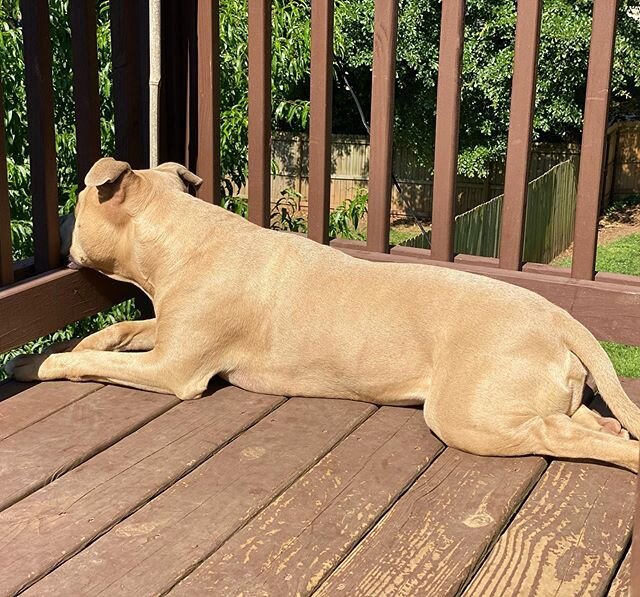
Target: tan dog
499, 369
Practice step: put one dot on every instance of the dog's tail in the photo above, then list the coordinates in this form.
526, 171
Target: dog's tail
583, 344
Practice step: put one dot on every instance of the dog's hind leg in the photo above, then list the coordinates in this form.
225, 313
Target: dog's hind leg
592, 420
560, 436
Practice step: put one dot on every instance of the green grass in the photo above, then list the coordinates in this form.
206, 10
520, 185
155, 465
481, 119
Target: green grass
621, 256
626, 359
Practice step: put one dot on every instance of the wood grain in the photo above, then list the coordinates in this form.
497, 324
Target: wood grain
53, 524
27, 310
621, 585
295, 542
33, 403
568, 536
44, 451
156, 547
431, 539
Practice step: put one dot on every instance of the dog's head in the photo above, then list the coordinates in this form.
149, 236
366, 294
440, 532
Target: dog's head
103, 224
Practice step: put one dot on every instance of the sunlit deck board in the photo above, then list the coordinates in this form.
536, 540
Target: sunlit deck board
140, 494
620, 587
59, 520
303, 534
431, 540
38, 454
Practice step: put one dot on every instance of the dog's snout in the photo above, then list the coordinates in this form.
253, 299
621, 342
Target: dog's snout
66, 224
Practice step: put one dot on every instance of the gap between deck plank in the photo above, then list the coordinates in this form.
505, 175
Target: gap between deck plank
300, 537
149, 552
51, 525
429, 541
46, 450
568, 536
24, 404
621, 585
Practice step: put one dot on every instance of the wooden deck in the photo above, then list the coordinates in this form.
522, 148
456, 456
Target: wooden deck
111, 491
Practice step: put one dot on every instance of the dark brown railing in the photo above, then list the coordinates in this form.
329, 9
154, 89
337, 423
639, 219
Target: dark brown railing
45, 298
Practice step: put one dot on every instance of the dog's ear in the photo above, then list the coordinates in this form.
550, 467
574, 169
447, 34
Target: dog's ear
188, 177
106, 174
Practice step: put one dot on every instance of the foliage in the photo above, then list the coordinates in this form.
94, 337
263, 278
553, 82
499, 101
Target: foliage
84, 327
344, 221
486, 78
290, 66
285, 213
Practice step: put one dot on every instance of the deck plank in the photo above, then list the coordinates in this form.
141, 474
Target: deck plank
53, 524
35, 456
23, 404
153, 549
621, 585
431, 539
568, 537
295, 542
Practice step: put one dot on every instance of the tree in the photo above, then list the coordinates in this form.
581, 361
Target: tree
487, 69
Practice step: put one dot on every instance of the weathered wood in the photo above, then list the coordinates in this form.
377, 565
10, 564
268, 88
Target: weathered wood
603, 36
621, 585
44, 451
447, 127
295, 542
208, 154
610, 310
84, 52
27, 310
259, 183
321, 94
383, 81
72, 511
568, 536
431, 539
42, 146
156, 547
130, 56
23, 405
523, 93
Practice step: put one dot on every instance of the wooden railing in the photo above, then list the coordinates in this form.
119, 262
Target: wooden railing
606, 303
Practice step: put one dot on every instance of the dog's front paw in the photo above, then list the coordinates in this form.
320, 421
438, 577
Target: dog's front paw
25, 367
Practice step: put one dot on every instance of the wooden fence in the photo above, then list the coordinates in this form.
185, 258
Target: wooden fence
622, 163
551, 203
349, 166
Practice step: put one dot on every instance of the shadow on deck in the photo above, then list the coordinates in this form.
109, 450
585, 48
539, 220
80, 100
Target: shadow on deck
117, 491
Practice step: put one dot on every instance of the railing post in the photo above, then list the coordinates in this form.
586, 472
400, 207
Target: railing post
85, 85
260, 112
130, 56
593, 138
447, 128
523, 93
208, 153
382, 107
320, 125
42, 146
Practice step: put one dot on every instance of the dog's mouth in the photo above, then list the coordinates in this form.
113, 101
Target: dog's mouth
73, 264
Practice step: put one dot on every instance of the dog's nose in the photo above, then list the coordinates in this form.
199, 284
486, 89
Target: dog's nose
66, 224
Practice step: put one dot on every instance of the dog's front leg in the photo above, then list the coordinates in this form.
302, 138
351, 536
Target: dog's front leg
123, 336
126, 335
144, 370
